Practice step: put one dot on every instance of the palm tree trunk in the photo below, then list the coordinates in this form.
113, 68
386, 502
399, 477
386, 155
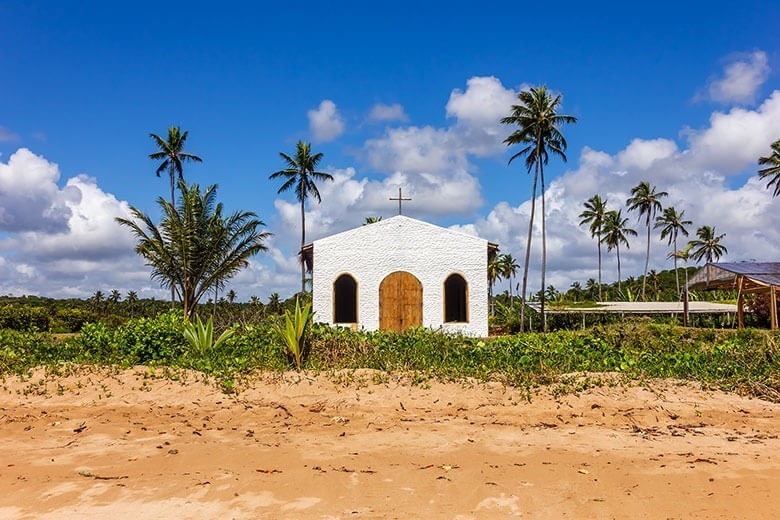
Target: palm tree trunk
544, 250
303, 243
511, 297
527, 256
171, 174
599, 235
676, 272
490, 298
647, 258
617, 247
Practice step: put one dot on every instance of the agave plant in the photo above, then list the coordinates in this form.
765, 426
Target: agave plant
200, 336
293, 331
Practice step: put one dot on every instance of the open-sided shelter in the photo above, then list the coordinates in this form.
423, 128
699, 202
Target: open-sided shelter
745, 278
401, 273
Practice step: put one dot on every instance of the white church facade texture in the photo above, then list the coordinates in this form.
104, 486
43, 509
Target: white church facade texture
401, 273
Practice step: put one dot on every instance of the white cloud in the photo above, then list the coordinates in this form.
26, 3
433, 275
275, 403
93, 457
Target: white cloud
325, 122
484, 102
696, 181
387, 113
742, 77
62, 242
736, 138
29, 196
65, 242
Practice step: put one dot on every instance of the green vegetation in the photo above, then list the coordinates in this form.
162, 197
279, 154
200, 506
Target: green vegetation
200, 336
745, 361
707, 245
293, 330
772, 171
195, 248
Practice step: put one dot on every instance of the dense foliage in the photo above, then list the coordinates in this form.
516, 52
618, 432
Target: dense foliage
746, 360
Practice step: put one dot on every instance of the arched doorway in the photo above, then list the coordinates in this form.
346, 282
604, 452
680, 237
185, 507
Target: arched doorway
400, 302
345, 299
455, 299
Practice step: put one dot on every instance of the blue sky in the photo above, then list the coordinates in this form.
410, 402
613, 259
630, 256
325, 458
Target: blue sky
84, 83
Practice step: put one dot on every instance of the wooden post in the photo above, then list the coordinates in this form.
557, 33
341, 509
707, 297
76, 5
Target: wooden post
740, 303
773, 307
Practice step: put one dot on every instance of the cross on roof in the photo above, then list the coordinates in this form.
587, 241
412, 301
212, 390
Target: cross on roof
400, 200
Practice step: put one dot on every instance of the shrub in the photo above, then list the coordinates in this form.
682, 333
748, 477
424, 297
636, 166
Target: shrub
158, 339
142, 340
73, 319
24, 318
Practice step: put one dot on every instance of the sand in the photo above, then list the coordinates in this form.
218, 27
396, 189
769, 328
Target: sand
98, 444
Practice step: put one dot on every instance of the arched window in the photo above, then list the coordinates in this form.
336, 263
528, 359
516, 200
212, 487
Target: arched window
345, 299
455, 300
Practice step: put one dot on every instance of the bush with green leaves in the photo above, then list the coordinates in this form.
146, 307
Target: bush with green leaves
153, 339
142, 340
25, 318
72, 319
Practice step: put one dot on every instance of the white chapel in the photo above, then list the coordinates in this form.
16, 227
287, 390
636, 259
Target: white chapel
400, 273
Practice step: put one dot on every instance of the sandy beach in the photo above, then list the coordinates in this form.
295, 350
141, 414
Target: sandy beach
100, 444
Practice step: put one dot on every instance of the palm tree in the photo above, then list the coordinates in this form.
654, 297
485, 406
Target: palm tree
97, 299
494, 272
170, 152
772, 171
646, 200
195, 248
707, 245
590, 287
131, 300
614, 232
684, 255
538, 133
576, 290
595, 208
114, 298
372, 220
231, 296
274, 303
509, 269
672, 224
300, 174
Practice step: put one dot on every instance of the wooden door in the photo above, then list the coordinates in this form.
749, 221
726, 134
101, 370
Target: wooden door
400, 302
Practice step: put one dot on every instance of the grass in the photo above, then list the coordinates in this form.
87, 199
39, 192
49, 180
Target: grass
746, 361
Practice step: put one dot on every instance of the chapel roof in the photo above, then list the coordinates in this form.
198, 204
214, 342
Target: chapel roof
307, 251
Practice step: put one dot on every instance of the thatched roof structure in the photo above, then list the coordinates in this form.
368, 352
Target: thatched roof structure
745, 278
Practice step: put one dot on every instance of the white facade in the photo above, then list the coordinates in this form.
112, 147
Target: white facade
428, 252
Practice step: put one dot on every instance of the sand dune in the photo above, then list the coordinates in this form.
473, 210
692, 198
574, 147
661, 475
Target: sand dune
363, 445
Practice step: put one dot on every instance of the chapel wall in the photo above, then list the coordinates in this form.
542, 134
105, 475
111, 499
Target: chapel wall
429, 252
